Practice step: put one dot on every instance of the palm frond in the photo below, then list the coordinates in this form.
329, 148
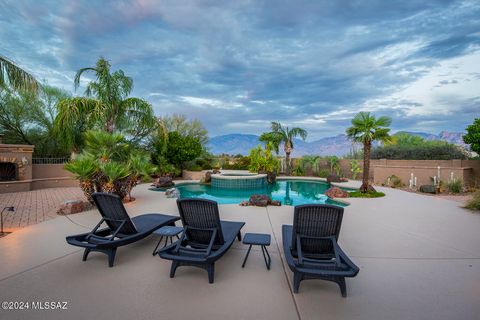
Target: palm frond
14, 76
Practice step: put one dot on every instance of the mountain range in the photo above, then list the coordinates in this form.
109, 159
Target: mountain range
339, 145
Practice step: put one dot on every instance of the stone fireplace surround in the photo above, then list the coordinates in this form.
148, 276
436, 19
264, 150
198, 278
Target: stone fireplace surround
21, 157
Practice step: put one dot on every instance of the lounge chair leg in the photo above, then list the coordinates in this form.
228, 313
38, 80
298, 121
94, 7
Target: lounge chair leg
239, 236
297, 277
111, 256
211, 271
155, 251
173, 268
85, 254
343, 286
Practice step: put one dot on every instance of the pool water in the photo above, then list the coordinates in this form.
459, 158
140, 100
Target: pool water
288, 192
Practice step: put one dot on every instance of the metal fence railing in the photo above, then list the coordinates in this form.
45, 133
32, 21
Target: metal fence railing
50, 160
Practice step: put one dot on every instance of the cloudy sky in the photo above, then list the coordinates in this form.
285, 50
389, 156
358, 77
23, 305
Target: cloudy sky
237, 65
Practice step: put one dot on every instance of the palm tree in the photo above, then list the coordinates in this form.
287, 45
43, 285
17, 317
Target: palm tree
106, 106
285, 135
366, 129
15, 77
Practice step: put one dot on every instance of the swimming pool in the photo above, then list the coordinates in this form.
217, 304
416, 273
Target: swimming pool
289, 192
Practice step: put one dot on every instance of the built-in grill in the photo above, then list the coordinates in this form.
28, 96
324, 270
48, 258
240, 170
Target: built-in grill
8, 171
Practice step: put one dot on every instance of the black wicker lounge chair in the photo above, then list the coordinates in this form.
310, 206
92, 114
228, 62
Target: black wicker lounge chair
120, 230
311, 248
205, 238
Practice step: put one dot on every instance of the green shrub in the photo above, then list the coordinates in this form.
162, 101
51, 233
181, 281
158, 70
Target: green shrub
194, 167
323, 173
262, 160
236, 163
430, 150
395, 181
355, 169
455, 186
370, 194
474, 202
181, 149
298, 170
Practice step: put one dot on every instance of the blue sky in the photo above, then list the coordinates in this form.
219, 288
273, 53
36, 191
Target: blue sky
237, 65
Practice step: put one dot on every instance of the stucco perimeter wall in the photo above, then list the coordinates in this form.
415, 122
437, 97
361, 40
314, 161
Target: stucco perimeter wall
51, 176
46, 171
193, 175
466, 170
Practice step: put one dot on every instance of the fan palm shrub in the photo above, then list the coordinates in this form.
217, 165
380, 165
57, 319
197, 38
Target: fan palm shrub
84, 168
109, 164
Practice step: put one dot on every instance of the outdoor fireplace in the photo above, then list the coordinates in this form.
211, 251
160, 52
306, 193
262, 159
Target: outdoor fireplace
8, 171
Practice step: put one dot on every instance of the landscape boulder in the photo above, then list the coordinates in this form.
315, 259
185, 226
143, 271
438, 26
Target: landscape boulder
336, 192
172, 193
163, 182
74, 206
334, 178
428, 188
260, 200
208, 177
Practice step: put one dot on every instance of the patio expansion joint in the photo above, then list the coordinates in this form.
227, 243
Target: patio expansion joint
283, 266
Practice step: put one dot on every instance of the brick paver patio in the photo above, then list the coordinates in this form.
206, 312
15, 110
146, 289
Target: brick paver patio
33, 207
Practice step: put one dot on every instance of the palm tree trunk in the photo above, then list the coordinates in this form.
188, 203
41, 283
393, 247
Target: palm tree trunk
365, 187
287, 163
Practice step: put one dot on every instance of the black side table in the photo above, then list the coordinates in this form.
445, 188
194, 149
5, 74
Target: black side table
257, 239
168, 232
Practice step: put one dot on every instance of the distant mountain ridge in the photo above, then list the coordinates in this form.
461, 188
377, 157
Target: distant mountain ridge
340, 145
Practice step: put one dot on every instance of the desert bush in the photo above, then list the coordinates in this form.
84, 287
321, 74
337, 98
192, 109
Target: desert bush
236, 163
455, 186
355, 169
194, 167
262, 160
298, 170
474, 202
430, 150
323, 173
395, 181
334, 163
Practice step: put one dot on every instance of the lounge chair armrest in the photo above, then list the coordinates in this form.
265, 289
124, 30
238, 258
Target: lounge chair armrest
95, 229
118, 230
205, 251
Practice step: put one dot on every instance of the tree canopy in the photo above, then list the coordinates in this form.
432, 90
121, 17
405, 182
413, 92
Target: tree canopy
28, 118
106, 106
473, 136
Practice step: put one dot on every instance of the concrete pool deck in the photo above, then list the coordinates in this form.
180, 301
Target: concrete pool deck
419, 258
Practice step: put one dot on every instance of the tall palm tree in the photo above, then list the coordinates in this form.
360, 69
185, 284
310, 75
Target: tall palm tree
366, 129
106, 106
15, 77
285, 135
